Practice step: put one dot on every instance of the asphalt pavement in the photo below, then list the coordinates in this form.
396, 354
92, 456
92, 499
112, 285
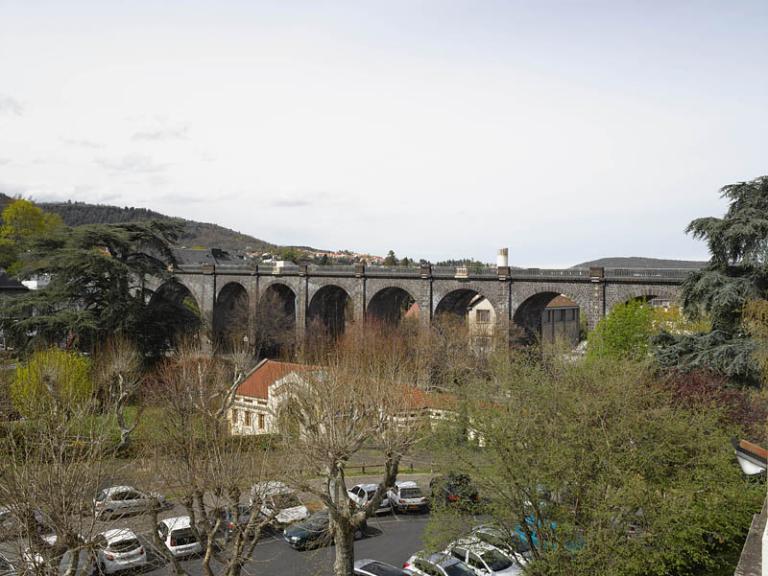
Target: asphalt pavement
391, 538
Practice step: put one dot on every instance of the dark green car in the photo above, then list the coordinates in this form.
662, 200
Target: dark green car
313, 532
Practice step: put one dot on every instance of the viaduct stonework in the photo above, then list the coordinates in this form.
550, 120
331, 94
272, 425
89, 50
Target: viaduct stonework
340, 295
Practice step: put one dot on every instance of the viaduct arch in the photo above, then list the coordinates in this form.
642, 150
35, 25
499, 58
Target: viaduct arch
336, 296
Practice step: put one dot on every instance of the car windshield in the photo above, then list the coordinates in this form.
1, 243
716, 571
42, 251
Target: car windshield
101, 496
495, 560
410, 493
183, 537
124, 545
381, 569
458, 569
319, 522
286, 500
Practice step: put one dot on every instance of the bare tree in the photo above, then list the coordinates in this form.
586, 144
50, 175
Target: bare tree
358, 399
274, 326
198, 459
52, 465
119, 375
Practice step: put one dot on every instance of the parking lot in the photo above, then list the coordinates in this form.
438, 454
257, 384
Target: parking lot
391, 538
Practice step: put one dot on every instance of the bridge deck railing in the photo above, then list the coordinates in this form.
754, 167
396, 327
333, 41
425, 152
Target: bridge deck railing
393, 271
664, 274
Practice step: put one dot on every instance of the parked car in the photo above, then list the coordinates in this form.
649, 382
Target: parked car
485, 559
119, 549
313, 532
361, 494
121, 500
438, 564
309, 533
376, 568
454, 489
407, 496
507, 542
178, 536
279, 502
6, 568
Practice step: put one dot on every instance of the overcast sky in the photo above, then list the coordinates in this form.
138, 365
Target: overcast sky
566, 131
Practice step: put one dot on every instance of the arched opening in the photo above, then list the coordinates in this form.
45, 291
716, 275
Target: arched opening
329, 311
275, 322
173, 314
547, 317
389, 306
230, 317
472, 310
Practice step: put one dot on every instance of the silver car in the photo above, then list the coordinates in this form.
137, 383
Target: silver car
121, 500
485, 559
438, 564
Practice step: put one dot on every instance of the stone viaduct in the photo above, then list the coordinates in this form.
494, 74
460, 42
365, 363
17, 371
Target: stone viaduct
340, 295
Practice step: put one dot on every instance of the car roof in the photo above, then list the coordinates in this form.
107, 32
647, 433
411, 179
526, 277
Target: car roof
406, 484
473, 544
113, 489
177, 522
118, 534
367, 487
363, 564
441, 559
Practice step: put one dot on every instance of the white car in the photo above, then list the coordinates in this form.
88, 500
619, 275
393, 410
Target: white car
485, 559
361, 494
119, 500
178, 536
439, 564
279, 502
119, 549
407, 496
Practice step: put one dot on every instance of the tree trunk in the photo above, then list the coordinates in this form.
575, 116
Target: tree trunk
344, 537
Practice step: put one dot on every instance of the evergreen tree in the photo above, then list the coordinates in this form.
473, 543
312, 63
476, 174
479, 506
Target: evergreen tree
736, 274
391, 259
96, 284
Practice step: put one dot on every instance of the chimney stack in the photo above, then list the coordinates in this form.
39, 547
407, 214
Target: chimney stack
502, 258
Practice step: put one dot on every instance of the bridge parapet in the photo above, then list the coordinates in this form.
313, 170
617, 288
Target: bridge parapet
536, 273
671, 274
675, 275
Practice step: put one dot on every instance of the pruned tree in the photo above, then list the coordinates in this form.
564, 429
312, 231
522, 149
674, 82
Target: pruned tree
119, 374
52, 465
357, 398
198, 459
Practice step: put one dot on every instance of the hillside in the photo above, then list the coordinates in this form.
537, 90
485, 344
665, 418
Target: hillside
196, 234
640, 262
